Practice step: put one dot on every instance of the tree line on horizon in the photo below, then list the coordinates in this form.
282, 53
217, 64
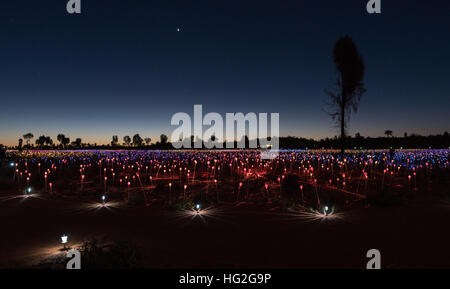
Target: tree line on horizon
64, 142
289, 142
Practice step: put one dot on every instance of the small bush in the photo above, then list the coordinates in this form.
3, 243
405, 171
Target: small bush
180, 205
121, 255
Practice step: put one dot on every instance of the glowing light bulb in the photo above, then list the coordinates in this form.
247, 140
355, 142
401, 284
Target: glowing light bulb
64, 239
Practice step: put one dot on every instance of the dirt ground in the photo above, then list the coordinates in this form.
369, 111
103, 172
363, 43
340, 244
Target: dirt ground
415, 235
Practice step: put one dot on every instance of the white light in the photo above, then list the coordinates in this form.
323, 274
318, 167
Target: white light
11, 164
103, 197
29, 190
326, 208
64, 239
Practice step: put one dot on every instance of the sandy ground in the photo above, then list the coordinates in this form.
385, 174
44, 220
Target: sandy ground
415, 235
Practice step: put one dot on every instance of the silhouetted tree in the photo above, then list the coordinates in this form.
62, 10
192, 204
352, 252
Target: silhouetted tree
115, 140
137, 140
44, 140
19, 146
147, 140
349, 86
388, 133
77, 142
28, 137
40, 141
126, 140
60, 137
48, 141
164, 139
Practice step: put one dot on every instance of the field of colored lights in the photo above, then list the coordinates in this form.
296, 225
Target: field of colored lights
214, 209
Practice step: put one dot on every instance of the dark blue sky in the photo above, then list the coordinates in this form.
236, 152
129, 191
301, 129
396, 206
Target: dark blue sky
121, 67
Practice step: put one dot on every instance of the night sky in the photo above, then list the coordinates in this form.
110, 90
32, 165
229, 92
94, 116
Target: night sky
121, 67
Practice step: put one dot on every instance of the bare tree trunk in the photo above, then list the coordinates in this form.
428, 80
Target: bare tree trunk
343, 123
